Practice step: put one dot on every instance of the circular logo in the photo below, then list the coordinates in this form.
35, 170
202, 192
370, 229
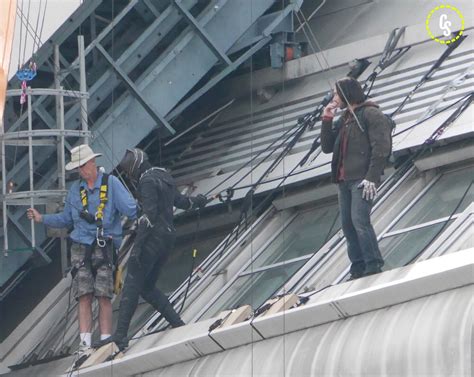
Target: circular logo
445, 24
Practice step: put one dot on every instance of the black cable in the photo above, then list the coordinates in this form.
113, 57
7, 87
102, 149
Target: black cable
326, 239
445, 223
303, 123
396, 134
292, 129
193, 260
36, 28
42, 21
27, 17
386, 59
451, 47
291, 174
260, 162
433, 115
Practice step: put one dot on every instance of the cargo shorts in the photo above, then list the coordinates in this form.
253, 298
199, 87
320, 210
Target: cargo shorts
84, 282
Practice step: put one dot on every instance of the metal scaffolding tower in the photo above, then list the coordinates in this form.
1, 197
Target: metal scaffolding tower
35, 136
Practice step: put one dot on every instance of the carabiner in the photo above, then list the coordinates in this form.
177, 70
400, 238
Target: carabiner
100, 238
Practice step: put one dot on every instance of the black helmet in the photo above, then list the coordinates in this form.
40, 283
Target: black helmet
132, 161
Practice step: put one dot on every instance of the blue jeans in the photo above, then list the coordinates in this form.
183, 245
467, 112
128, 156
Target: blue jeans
362, 246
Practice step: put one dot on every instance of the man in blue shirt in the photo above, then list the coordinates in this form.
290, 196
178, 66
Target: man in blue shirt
93, 208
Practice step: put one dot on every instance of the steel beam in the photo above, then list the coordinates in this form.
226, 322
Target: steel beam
272, 23
153, 35
44, 133
135, 91
36, 194
176, 72
152, 8
202, 33
47, 92
266, 23
30, 168
216, 79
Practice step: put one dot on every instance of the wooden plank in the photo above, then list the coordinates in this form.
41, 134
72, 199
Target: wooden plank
237, 315
101, 355
282, 304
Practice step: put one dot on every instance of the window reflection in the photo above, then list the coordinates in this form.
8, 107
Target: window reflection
254, 289
424, 220
441, 199
289, 250
304, 235
402, 249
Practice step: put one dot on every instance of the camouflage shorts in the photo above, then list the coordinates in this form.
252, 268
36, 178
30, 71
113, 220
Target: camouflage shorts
84, 282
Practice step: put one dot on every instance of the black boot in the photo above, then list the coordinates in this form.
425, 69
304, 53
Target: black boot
172, 316
160, 302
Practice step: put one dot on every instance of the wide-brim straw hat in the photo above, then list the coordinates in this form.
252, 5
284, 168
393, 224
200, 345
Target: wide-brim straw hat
80, 155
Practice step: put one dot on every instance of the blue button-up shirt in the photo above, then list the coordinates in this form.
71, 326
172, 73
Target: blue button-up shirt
120, 202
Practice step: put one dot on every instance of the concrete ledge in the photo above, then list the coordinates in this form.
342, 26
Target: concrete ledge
408, 283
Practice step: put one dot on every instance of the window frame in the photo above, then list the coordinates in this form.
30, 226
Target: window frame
293, 213
386, 233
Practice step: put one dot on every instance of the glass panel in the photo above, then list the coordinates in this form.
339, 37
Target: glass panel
401, 249
254, 289
304, 235
445, 193
177, 267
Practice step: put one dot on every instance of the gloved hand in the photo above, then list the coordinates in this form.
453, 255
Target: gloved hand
198, 201
369, 190
144, 222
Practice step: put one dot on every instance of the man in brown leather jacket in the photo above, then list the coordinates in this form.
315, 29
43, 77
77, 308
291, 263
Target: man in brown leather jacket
360, 143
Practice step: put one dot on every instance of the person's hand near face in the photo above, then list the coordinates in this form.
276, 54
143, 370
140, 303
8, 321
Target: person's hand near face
331, 107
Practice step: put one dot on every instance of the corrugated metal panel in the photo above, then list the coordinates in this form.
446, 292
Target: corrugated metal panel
237, 138
426, 337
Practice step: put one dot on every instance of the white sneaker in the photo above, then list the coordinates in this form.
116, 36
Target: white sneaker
84, 349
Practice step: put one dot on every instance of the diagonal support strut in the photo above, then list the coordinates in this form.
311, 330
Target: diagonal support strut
202, 33
135, 91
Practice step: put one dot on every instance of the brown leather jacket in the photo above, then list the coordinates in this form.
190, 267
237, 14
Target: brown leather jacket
368, 146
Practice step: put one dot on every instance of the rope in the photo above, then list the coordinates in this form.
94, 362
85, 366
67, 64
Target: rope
451, 47
21, 37
37, 25
445, 224
42, 22
193, 260
252, 277
27, 17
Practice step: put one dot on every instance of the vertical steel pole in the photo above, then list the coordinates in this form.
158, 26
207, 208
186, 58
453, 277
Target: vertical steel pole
59, 122
61, 146
83, 85
4, 192
30, 163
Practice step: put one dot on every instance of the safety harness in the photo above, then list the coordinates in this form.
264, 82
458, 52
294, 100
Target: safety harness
99, 215
98, 220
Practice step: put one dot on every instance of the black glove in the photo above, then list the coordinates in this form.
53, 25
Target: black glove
198, 201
